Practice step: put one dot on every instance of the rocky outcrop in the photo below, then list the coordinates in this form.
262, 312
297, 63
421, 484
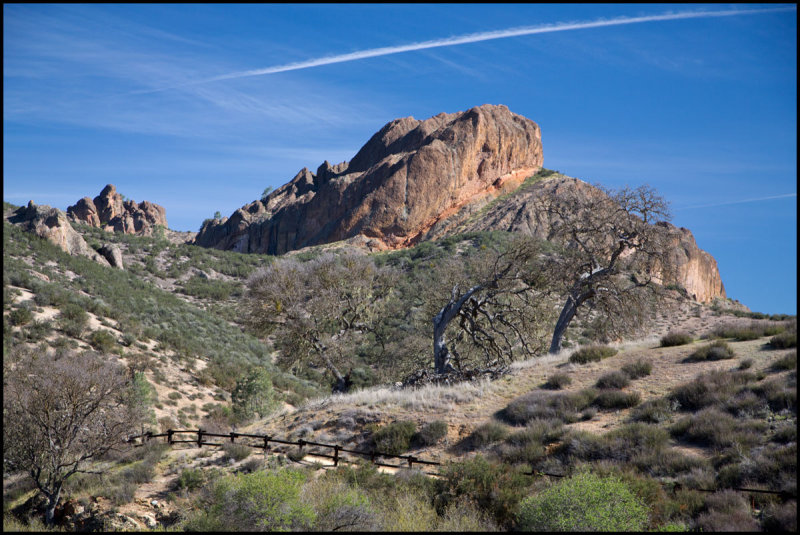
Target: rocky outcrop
113, 214
695, 270
52, 225
405, 179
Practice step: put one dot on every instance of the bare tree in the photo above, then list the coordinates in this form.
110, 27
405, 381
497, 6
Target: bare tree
613, 255
500, 313
60, 411
317, 308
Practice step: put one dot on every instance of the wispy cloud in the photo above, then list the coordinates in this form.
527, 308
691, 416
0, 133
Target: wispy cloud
478, 37
741, 201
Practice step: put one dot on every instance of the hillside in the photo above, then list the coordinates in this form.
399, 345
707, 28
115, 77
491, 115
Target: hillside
334, 281
168, 286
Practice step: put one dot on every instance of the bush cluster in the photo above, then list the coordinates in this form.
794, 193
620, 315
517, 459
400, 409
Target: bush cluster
557, 381
394, 438
718, 350
564, 407
592, 353
676, 338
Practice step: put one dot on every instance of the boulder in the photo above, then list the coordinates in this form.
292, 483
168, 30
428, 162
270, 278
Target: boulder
113, 254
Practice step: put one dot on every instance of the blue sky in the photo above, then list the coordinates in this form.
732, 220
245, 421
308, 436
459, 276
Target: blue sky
200, 107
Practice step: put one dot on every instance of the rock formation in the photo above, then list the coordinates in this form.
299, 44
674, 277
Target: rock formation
52, 225
111, 213
419, 180
408, 176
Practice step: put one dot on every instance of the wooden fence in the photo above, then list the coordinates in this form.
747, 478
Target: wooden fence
264, 441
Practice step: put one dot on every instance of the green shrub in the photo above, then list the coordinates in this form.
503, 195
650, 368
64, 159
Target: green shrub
339, 506
613, 380
636, 370
557, 381
394, 438
191, 479
495, 488
237, 452
784, 340
717, 350
676, 338
260, 501
786, 362
430, 433
102, 340
616, 399
488, 433
20, 316
584, 502
592, 354
73, 319
254, 395
37, 331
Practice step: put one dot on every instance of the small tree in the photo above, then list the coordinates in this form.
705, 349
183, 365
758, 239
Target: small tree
612, 254
253, 395
318, 309
500, 312
266, 193
60, 411
217, 215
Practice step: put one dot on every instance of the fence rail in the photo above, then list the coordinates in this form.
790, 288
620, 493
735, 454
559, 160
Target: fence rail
372, 455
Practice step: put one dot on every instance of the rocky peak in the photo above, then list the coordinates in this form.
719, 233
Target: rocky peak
113, 214
400, 183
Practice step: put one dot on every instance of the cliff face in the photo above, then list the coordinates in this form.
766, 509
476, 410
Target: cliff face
109, 212
408, 176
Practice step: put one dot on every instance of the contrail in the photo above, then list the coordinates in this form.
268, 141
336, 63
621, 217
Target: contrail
739, 202
478, 37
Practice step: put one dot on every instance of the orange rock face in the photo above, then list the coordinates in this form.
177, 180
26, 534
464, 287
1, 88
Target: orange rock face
409, 175
109, 212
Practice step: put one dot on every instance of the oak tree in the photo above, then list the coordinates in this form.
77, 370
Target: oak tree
613, 256
61, 411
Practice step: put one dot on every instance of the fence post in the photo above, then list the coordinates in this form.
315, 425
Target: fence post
149, 436
199, 438
372, 456
266, 445
169, 436
410, 460
233, 435
336, 455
